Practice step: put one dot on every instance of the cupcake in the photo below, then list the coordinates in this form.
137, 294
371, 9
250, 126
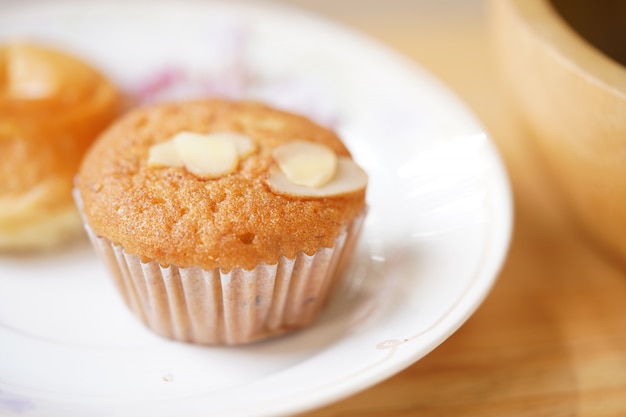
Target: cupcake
52, 106
222, 222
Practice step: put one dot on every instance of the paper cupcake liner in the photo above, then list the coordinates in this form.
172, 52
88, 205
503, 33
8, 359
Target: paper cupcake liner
216, 308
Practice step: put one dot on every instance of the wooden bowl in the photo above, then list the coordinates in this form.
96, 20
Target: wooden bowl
564, 64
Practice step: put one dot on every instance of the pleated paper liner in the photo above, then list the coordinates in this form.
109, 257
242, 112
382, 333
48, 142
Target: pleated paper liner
240, 306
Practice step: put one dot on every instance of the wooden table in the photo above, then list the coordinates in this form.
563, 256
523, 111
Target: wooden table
550, 340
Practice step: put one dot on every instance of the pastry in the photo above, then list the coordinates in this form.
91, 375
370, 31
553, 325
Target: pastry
52, 105
222, 222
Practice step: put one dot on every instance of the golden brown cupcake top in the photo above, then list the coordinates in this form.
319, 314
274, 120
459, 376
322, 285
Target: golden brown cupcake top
239, 218
52, 106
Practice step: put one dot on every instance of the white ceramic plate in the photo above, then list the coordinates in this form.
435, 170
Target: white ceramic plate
437, 232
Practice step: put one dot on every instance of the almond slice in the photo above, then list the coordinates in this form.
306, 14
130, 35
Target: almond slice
164, 154
349, 178
206, 156
306, 163
245, 146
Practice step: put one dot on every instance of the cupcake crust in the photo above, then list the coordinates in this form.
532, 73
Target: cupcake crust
174, 217
52, 106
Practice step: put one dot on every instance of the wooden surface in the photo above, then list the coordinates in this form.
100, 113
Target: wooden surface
550, 340
575, 99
